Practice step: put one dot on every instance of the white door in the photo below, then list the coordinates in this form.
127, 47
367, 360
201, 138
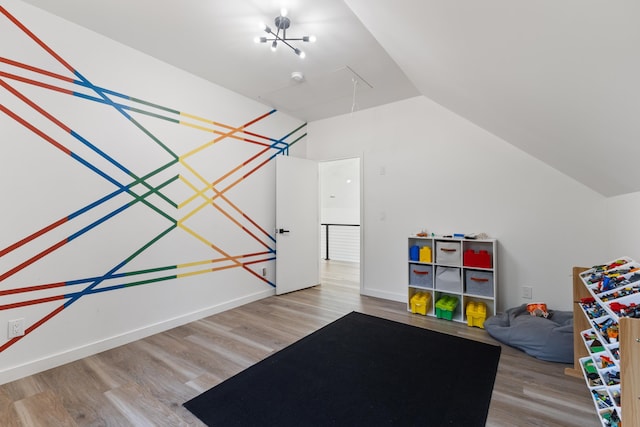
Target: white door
297, 224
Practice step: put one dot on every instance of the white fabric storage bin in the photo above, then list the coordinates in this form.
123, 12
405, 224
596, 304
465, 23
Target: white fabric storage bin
448, 253
478, 282
448, 279
421, 275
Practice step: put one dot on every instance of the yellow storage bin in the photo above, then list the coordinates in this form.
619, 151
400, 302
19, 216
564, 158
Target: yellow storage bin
420, 302
425, 254
476, 314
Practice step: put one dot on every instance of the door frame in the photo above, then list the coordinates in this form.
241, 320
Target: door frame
360, 159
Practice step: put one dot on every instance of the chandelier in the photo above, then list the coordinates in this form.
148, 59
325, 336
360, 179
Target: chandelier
282, 23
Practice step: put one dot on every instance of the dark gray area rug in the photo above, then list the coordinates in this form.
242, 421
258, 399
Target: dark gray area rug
360, 370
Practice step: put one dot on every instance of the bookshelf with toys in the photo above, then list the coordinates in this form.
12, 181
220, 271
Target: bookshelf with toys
607, 338
453, 277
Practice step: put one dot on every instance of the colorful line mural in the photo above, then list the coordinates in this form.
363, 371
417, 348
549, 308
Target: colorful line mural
178, 187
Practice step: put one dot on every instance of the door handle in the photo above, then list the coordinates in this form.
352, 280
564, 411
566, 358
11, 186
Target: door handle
282, 231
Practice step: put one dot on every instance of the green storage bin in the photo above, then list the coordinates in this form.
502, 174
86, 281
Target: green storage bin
446, 306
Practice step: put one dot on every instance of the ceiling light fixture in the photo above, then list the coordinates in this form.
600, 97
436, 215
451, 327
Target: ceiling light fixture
282, 23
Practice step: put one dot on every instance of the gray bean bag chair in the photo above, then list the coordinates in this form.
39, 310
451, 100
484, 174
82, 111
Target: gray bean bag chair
548, 339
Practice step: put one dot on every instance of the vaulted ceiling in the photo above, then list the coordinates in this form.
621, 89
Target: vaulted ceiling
557, 79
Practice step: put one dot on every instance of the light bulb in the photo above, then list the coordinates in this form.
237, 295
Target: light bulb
283, 12
274, 45
264, 27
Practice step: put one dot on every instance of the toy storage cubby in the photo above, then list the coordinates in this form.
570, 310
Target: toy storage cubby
607, 338
442, 267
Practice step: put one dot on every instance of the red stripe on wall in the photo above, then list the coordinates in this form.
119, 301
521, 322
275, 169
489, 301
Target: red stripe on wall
257, 119
246, 230
31, 328
255, 274
31, 302
33, 259
37, 70
36, 39
32, 237
255, 224
35, 106
35, 130
32, 288
255, 254
35, 83
43, 320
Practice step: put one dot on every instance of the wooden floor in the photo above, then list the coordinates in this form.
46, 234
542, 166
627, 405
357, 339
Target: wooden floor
145, 383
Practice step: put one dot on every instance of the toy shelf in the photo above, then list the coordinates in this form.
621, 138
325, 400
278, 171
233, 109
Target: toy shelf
607, 337
453, 278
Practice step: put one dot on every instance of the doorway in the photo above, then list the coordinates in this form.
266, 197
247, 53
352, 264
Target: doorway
340, 222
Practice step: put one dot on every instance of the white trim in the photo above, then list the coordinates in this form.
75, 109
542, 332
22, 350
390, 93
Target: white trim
20, 371
361, 166
384, 295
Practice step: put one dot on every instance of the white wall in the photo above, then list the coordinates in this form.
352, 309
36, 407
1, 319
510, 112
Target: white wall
41, 184
425, 167
621, 227
340, 191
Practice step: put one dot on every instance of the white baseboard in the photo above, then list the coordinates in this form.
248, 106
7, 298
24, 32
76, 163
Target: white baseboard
33, 367
383, 294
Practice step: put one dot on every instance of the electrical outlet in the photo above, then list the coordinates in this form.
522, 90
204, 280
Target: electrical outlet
16, 328
527, 292
264, 271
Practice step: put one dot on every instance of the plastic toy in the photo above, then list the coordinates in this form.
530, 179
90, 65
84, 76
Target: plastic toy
414, 253
604, 326
606, 362
605, 267
476, 314
611, 378
611, 419
481, 259
596, 347
616, 263
446, 306
538, 309
618, 308
592, 309
425, 254
616, 353
589, 367
615, 394
612, 333
594, 379
420, 302
602, 399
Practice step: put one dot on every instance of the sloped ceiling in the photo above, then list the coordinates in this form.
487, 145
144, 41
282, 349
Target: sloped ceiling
557, 79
